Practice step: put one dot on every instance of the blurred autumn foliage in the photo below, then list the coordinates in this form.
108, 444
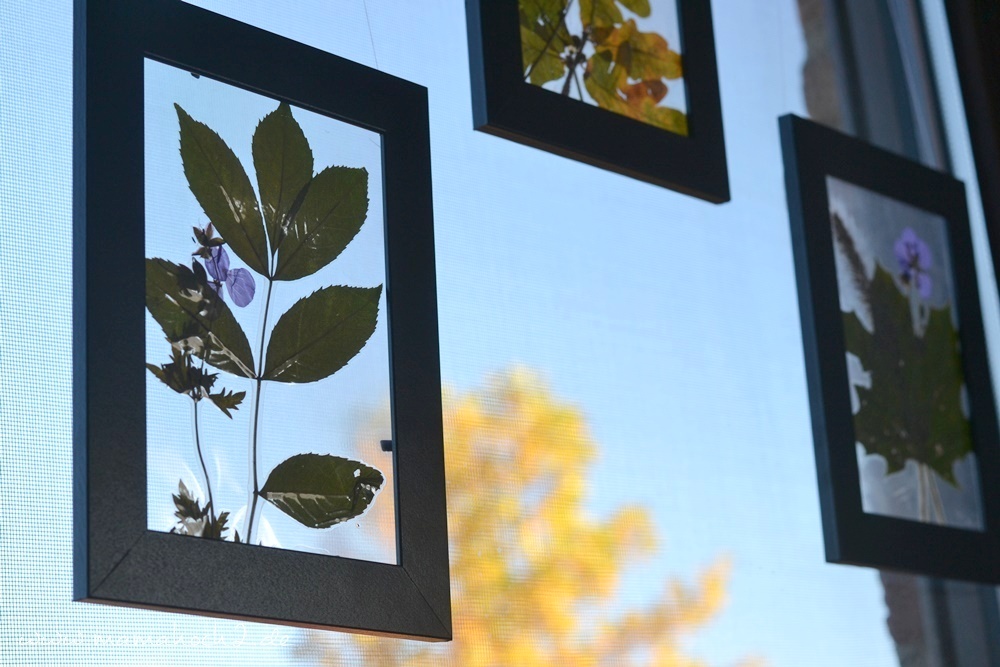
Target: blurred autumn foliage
622, 68
534, 575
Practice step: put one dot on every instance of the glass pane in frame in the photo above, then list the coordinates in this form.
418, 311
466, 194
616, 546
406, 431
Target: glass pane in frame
621, 56
314, 421
908, 395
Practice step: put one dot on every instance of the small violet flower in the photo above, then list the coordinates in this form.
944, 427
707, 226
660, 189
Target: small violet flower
239, 282
914, 257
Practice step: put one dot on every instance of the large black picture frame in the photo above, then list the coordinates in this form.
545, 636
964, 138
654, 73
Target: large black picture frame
505, 105
853, 536
117, 559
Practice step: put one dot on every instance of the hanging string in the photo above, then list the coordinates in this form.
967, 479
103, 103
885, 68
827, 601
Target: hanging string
371, 36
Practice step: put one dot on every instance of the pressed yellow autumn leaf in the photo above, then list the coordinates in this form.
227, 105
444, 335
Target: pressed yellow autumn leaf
607, 83
544, 37
653, 89
604, 79
645, 55
600, 13
638, 7
624, 69
545, 12
663, 117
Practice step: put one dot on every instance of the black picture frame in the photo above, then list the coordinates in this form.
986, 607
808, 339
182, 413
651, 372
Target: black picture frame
811, 154
117, 559
505, 105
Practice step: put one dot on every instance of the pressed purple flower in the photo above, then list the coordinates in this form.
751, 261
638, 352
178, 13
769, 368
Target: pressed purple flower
239, 282
914, 257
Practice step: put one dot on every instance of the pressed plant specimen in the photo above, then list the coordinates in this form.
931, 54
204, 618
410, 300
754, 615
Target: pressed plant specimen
603, 56
913, 407
301, 223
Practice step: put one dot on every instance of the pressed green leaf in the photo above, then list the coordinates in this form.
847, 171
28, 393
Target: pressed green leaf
914, 407
319, 490
187, 506
284, 164
216, 530
227, 400
194, 318
331, 214
183, 376
857, 339
318, 335
194, 520
222, 187
852, 257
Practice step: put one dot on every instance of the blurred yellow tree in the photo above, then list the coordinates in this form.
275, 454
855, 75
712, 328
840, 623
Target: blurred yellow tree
534, 575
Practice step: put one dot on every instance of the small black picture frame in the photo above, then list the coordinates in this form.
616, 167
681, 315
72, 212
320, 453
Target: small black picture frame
506, 105
117, 559
816, 160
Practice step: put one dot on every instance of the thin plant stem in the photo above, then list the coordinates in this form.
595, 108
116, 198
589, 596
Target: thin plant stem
579, 58
201, 459
197, 437
255, 494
